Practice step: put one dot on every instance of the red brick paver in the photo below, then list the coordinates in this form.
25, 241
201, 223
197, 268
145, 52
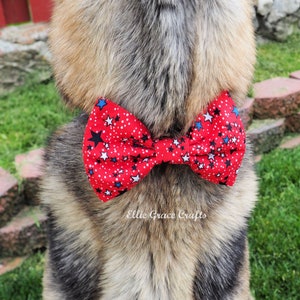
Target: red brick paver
292, 123
295, 75
26, 232
29, 166
277, 97
246, 112
10, 200
292, 143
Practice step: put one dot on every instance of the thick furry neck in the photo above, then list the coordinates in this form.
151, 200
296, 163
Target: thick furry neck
164, 60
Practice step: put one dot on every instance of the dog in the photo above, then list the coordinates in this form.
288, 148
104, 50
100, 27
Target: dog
171, 234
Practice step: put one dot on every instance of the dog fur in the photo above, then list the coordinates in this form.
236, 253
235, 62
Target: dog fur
164, 61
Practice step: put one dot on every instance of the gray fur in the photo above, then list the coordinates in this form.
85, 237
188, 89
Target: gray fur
163, 61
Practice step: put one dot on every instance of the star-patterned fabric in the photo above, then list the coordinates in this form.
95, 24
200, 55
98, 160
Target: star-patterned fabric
118, 150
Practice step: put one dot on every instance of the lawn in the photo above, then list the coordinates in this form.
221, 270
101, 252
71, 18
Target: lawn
27, 117
30, 114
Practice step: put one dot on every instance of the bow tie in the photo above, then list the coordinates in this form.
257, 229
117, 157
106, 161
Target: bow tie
118, 151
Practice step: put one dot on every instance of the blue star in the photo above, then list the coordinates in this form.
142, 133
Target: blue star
235, 111
101, 103
198, 125
226, 140
91, 171
118, 184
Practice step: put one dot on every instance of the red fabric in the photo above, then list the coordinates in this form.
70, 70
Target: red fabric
118, 151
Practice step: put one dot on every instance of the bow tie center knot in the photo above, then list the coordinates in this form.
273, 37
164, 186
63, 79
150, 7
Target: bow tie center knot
172, 150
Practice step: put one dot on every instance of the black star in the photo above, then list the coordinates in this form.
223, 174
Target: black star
98, 190
134, 167
211, 164
145, 137
96, 138
122, 192
136, 158
217, 111
233, 150
171, 149
114, 159
213, 143
89, 147
220, 134
135, 143
98, 161
229, 127
182, 147
227, 163
117, 118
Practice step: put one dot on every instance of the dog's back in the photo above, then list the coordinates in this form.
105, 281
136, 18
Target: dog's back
164, 61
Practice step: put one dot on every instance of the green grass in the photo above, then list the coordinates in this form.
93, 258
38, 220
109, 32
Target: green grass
274, 228
25, 282
27, 117
277, 59
30, 114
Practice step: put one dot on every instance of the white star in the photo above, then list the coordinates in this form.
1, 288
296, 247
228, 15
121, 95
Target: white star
234, 139
104, 156
208, 117
107, 192
108, 121
106, 146
136, 178
175, 142
211, 156
186, 157
201, 166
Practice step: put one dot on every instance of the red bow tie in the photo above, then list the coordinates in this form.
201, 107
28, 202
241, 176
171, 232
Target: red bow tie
118, 151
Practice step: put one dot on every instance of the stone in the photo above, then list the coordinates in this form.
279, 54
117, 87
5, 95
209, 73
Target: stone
266, 135
295, 75
24, 234
292, 123
284, 28
246, 112
11, 263
258, 158
277, 18
25, 34
276, 97
264, 7
29, 167
17, 67
291, 143
11, 201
